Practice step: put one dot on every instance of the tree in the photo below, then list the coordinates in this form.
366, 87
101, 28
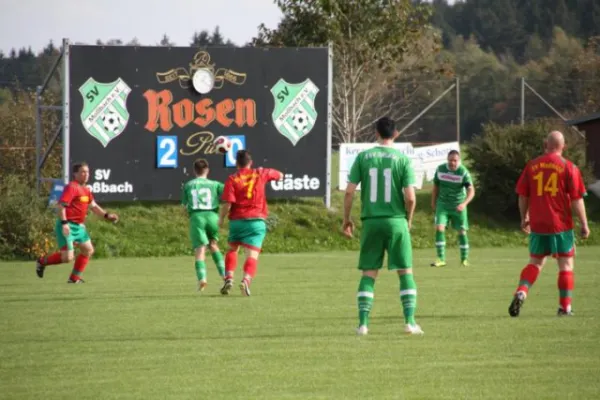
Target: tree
165, 41
370, 39
205, 38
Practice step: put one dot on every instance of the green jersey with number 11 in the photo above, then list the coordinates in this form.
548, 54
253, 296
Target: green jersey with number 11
201, 194
382, 173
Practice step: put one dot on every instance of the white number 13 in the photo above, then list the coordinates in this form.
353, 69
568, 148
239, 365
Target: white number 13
387, 184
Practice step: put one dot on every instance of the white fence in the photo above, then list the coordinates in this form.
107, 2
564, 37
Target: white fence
425, 159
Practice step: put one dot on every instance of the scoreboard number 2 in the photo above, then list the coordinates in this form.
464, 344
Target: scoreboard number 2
166, 151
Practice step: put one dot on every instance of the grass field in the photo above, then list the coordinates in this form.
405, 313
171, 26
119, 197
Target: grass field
138, 330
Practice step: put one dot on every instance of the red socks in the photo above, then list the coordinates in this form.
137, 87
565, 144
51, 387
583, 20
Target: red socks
52, 259
566, 283
250, 269
529, 275
230, 263
80, 264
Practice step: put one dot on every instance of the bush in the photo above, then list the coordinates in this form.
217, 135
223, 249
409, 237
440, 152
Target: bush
499, 155
26, 223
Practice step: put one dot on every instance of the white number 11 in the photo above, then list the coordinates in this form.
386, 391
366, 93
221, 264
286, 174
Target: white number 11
387, 182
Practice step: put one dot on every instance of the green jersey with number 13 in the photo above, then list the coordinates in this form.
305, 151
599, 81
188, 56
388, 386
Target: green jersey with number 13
382, 173
201, 194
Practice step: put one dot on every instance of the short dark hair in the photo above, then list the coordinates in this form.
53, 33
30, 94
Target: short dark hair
77, 166
243, 158
454, 152
386, 127
200, 166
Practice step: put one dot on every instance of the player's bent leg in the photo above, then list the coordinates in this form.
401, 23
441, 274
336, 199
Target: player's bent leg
528, 276
200, 267
62, 256
463, 242
440, 245
217, 257
86, 250
566, 284
230, 266
250, 266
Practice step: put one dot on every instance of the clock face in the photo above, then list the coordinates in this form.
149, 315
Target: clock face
203, 81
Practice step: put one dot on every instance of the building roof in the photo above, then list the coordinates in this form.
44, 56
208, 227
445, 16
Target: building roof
584, 119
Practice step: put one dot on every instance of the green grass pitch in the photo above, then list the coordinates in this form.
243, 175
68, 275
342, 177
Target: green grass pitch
138, 330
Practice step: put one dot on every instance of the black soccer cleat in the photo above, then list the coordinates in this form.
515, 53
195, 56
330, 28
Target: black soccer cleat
227, 285
515, 306
39, 268
76, 281
563, 313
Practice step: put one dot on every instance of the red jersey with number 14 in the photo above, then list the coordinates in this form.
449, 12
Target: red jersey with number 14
551, 183
76, 199
245, 190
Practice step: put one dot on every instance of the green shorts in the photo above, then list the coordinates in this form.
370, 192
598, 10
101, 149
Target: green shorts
78, 234
204, 227
249, 233
385, 234
458, 219
557, 244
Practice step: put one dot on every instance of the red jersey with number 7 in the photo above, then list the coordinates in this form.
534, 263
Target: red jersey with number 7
245, 190
76, 199
551, 183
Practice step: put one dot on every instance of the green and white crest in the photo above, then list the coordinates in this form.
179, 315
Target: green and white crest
104, 114
294, 114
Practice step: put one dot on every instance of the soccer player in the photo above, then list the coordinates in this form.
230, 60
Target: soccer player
72, 210
452, 191
201, 197
550, 189
246, 205
388, 203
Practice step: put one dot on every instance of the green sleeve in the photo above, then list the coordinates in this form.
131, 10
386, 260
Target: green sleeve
354, 175
436, 181
408, 174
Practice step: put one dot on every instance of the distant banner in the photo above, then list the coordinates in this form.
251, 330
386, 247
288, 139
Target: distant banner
425, 159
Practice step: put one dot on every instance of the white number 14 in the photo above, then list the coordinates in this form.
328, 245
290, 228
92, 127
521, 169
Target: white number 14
387, 183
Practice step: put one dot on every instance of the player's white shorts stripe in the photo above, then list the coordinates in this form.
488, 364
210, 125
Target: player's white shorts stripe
408, 292
464, 246
440, 243
365, 294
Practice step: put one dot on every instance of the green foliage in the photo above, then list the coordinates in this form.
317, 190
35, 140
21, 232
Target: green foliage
499, 155
25, 221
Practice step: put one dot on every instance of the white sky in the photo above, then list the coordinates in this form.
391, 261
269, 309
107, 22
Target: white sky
33, 23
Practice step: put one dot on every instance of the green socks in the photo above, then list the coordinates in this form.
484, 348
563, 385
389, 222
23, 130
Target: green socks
366, 289
217, 257
463, 241
440, 245
408, 297
200, 270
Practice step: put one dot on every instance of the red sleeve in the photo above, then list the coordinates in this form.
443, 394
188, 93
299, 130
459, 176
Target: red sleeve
576, 186
228, 192
67, 195
271, 174
523, 183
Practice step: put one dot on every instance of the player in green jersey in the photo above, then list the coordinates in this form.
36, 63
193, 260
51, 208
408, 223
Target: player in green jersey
201, 197
453, 190
388, 203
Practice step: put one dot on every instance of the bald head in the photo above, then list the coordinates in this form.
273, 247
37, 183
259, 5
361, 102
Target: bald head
555, 142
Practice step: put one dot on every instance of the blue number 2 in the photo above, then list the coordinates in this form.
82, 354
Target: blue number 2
166, 151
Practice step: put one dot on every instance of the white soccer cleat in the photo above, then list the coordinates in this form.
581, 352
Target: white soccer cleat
413, 329
362, 330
